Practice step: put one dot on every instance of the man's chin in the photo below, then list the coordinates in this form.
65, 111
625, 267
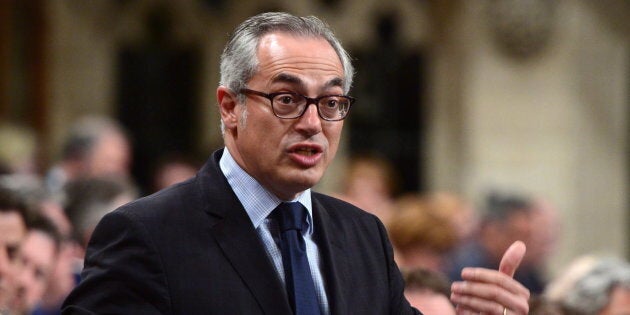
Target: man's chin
18, 307
298, 184
308, 180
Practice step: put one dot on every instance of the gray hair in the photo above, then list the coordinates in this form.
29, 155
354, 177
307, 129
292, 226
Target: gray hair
239, 62
591, 293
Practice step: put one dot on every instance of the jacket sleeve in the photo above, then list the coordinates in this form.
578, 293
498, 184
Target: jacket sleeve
122, 272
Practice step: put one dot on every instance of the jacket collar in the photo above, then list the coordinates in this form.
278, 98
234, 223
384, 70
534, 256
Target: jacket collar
332, 241
235, 234
238, 239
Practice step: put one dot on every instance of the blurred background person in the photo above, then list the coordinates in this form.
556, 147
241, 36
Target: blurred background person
89, 199
507, 218
34, 264
540, 305
18, 150
13, 216
370, 183
545, 229
6, 281
455, 209
94, 147
62, 279
559, 286
428, 291
593, 286
421, 237
32, 192
171, 170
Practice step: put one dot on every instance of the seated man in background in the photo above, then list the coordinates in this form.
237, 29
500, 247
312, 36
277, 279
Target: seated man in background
13, 214
506, 219
593, 286
31, 191
34, 264
94, 147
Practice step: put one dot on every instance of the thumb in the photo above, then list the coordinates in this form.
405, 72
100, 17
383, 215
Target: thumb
512, 258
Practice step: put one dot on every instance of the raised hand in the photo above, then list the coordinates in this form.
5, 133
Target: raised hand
490, 291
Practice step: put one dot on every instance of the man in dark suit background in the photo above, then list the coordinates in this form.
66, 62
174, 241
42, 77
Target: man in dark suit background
212, 245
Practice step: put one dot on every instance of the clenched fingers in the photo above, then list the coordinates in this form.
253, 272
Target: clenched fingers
490, 280
490, 297
489, 291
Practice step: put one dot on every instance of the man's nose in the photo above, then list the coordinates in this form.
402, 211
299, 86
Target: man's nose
4, 260
24, 277
310, 122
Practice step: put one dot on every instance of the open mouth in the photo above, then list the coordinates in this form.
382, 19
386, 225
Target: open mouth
306, 155
306, 151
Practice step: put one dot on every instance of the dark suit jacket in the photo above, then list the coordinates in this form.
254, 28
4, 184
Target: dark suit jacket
191, 249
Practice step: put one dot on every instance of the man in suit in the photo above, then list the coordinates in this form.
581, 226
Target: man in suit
216, 244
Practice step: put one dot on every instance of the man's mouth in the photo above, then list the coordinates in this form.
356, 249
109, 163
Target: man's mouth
306, 151
306, 155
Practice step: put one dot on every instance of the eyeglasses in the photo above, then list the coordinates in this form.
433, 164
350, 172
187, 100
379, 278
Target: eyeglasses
288, 105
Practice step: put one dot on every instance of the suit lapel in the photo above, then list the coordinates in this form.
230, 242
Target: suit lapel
331, 242
239, 241
243, 248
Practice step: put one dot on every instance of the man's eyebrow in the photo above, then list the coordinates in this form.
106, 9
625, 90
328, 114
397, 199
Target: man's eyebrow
334, 83
287, 78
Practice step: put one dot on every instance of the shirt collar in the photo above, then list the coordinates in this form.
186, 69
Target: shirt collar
257, 201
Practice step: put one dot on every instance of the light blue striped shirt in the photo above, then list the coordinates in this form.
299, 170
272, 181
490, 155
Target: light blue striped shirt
259, 203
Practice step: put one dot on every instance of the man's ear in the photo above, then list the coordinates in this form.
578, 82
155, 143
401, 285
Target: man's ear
227, 106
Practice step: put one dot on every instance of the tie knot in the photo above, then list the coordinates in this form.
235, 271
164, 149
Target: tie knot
291, 216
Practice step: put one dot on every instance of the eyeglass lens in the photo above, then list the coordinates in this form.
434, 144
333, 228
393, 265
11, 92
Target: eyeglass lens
289, 105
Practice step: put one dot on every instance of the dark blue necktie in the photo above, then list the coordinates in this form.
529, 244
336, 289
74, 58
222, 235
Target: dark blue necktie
291, 218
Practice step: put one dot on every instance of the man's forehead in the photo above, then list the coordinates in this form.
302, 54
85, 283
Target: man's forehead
11, 216
285, 58
307, 45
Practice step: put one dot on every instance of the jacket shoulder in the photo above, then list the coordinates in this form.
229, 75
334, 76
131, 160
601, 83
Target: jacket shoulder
179, 196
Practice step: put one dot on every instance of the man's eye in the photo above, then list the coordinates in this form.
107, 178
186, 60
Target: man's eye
40, 274
11, 251
332, 103
286, 99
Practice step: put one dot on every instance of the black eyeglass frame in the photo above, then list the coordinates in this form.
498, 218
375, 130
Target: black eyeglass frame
309, 101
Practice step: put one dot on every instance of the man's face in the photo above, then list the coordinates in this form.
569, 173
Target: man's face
286, 156
33, 264
13, 231
6, 280
619, 303
111, 156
